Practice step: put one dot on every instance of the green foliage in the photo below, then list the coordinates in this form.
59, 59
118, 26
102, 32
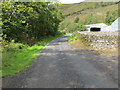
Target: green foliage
76, 9
73, 37
103, 4
111, 17
89, 13
24, 25
76, 20
80, 37
63, 25
90, 19
81, 27
11, 46
29, 21
15, 59
69, 26
72, 27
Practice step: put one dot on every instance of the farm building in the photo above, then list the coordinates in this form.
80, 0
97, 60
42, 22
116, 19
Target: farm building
113, 27
103, 27
95, 27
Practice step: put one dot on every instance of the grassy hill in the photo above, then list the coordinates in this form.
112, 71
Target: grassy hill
88, 13
77, 8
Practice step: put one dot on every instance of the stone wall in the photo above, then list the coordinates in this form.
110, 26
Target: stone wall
100, 40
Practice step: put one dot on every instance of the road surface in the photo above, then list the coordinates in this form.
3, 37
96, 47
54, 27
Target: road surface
59, 65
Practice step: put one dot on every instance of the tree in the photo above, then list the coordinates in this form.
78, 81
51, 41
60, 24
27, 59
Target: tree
81, 27
25, 21
77, 19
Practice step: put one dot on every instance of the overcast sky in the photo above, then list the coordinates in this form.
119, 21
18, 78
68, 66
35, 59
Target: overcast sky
70, 1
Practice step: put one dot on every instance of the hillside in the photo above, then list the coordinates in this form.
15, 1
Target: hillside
77, 8
89, 13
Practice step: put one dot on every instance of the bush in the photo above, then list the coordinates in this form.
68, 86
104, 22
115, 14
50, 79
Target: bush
76, 20
26, 21
73, 37
81, 27
90, 19
68, 26
111, 17
11, 46
72, 27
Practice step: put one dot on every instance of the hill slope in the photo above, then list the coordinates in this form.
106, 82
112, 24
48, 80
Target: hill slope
69, 9
89, 13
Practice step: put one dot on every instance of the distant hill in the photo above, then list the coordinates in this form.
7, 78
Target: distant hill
89, 13
77, 8
83, 9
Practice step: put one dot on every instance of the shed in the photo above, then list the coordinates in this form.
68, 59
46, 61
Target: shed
95, 27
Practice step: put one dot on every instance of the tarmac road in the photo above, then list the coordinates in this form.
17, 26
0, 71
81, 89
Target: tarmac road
59, 65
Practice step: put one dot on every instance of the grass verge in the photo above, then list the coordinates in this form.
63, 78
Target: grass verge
18, 60
78, 42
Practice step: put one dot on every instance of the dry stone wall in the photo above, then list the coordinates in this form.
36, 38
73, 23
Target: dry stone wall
100, 40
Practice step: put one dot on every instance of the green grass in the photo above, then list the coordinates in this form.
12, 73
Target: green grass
88, 13
72, 37
71, 8
77, 8
98, 13
16, 61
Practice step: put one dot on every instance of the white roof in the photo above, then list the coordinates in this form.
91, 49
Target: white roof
98, 25
113, 27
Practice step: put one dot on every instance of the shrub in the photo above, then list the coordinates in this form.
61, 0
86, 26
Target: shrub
72, 27
81, 27
76, 20
11, 46
73, 37
69, 26
26, 21
111, 17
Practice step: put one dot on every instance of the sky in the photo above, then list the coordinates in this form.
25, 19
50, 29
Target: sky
69, 1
